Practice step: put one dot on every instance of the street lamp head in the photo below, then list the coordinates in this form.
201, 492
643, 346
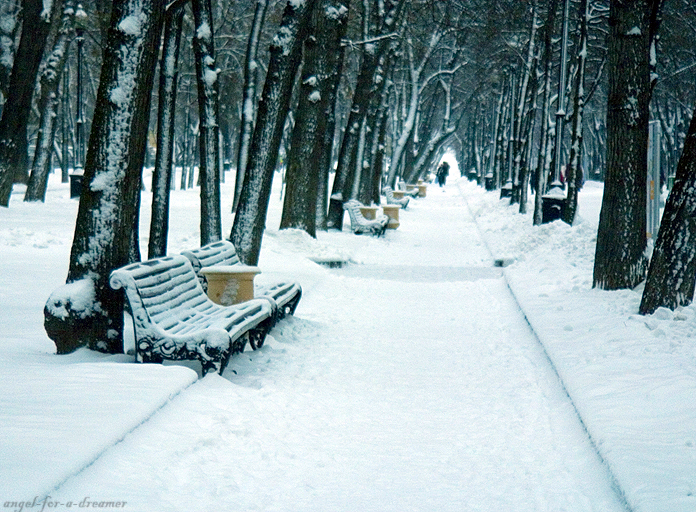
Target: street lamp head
80, 14
80, 21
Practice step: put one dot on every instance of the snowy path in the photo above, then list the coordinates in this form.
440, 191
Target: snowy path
445, 402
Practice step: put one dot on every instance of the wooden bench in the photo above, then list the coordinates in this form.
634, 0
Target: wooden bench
285, 294
411, 192
174, 319
359, 224
389, 195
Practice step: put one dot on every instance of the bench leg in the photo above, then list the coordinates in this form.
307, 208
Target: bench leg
291, 306
145, 352
257, 335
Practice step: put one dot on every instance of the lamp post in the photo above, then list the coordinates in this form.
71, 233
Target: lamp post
553, 201
79, 152
64, 166
506, 190
80, 16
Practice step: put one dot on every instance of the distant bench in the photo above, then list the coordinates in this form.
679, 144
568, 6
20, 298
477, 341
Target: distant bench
359, 224
285, 294
389, 195
174, 319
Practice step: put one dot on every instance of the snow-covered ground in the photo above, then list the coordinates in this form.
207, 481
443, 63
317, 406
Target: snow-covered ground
408, 380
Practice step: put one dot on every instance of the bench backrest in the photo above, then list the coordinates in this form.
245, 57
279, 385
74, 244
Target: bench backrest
160, 288
221, 252
352, 206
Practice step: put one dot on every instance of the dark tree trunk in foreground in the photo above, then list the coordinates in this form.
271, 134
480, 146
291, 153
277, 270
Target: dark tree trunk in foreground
166, 109
48, 107
209, 138
15, 113
86, 311
329, 22
286, 54
672, 273
620, 258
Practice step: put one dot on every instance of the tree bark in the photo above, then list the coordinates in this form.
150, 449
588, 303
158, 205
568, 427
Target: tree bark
574, 169
672, 273
286, 52
543, 162
329, 23
620, 257
48, 106
327, 148
209, 139
249, 97
15, 113
9, 12
86, 311
166, 113
528, 81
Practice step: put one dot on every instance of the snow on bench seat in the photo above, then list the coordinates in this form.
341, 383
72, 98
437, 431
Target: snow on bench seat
174, 319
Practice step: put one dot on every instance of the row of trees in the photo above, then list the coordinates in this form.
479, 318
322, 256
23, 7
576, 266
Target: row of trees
375, 89
353, 74
631, 63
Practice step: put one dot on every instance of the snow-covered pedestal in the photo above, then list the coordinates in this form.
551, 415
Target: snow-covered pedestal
392, 211
230, 284
369, 212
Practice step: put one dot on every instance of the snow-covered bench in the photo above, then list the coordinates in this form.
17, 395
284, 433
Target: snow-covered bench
409, 190
389, 195
359, 224
285, 294
174, 319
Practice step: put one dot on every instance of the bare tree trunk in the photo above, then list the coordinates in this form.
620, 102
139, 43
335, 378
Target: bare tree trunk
327, 148
8, 13
209, 139
86, 311
249, 96
574, 169
528, 78
543, 162
672, 274
329, 22
15, 113
48, 106
286, 53
620, 258
166, 110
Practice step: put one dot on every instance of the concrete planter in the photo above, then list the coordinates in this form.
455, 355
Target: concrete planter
369, 212
392, 211
230, 284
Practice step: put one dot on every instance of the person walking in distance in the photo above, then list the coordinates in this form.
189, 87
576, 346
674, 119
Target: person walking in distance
442, 173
